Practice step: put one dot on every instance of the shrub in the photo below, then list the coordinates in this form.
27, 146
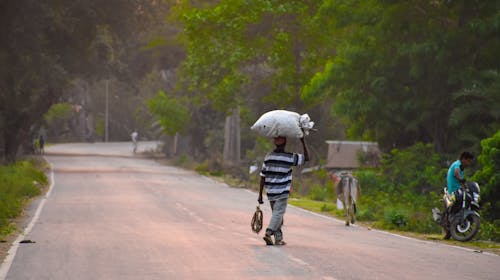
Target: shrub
365, 213
490, 231
395, 218
321, 193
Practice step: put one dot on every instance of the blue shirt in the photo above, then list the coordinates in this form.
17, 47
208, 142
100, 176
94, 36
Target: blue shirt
453, 183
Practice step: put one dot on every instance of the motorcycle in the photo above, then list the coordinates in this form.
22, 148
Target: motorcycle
460, 217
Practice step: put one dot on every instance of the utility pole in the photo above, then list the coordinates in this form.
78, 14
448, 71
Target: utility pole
106, 115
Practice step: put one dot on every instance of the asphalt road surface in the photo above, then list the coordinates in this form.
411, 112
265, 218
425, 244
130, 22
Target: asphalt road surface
112, 215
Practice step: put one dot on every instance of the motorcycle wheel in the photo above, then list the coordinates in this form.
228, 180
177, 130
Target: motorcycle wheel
465, 230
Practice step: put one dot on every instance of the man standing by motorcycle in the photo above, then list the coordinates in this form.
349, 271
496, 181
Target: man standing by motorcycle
455, 179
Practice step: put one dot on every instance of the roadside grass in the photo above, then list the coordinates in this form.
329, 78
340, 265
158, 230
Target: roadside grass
19, 182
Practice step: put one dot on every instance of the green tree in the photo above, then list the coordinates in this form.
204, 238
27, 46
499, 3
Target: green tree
251, 55
488, 176
409, 71
57, 117
171, 113
236, 44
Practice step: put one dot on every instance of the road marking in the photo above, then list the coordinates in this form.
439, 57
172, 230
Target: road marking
4, 269
299, 261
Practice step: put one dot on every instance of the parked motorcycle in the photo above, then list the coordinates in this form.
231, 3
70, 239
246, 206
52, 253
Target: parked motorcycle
460, 218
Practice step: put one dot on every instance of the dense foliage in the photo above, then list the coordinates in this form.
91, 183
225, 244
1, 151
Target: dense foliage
172, 115
395, 72
488, 176
414, 71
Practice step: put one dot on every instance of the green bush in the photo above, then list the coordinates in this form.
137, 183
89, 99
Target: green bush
202, 168
395, 218
319, 193
365, 213
212, 168
490, 231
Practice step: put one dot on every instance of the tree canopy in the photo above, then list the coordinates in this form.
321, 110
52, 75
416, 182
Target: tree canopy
45, 45
395, 72
409, 71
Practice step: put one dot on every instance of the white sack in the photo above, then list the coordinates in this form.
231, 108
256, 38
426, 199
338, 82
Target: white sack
283, 123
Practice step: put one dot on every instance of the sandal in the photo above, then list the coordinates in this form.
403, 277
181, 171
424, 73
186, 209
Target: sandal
280, 242
268, 239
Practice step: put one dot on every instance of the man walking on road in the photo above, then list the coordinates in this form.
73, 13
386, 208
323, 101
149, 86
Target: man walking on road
276, 176
134, 136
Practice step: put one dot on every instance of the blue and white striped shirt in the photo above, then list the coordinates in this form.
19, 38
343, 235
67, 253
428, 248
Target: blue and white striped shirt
277, 173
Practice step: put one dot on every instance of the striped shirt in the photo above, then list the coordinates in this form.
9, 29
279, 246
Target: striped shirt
277, 173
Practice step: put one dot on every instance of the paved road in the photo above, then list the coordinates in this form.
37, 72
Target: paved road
116, 216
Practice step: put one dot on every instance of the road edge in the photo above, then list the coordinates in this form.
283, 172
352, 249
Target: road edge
9, 258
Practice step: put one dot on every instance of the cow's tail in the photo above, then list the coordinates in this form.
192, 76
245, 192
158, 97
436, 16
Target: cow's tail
354, 206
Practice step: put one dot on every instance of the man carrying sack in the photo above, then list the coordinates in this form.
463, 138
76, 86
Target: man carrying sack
276, 176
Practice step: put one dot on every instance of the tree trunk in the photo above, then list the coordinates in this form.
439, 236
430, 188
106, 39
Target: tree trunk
13, 139
232, 138
174, 146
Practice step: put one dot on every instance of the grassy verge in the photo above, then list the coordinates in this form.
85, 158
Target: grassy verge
19, 183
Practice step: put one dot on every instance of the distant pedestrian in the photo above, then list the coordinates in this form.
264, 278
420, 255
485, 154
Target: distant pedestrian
41, 143
276, 176
135, 139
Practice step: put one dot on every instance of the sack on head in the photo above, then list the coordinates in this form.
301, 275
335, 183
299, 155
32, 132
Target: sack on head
283, 123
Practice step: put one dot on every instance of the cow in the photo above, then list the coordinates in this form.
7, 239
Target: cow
348, 191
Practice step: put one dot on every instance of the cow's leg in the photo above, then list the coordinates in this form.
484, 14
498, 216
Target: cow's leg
345, 202
351, 209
